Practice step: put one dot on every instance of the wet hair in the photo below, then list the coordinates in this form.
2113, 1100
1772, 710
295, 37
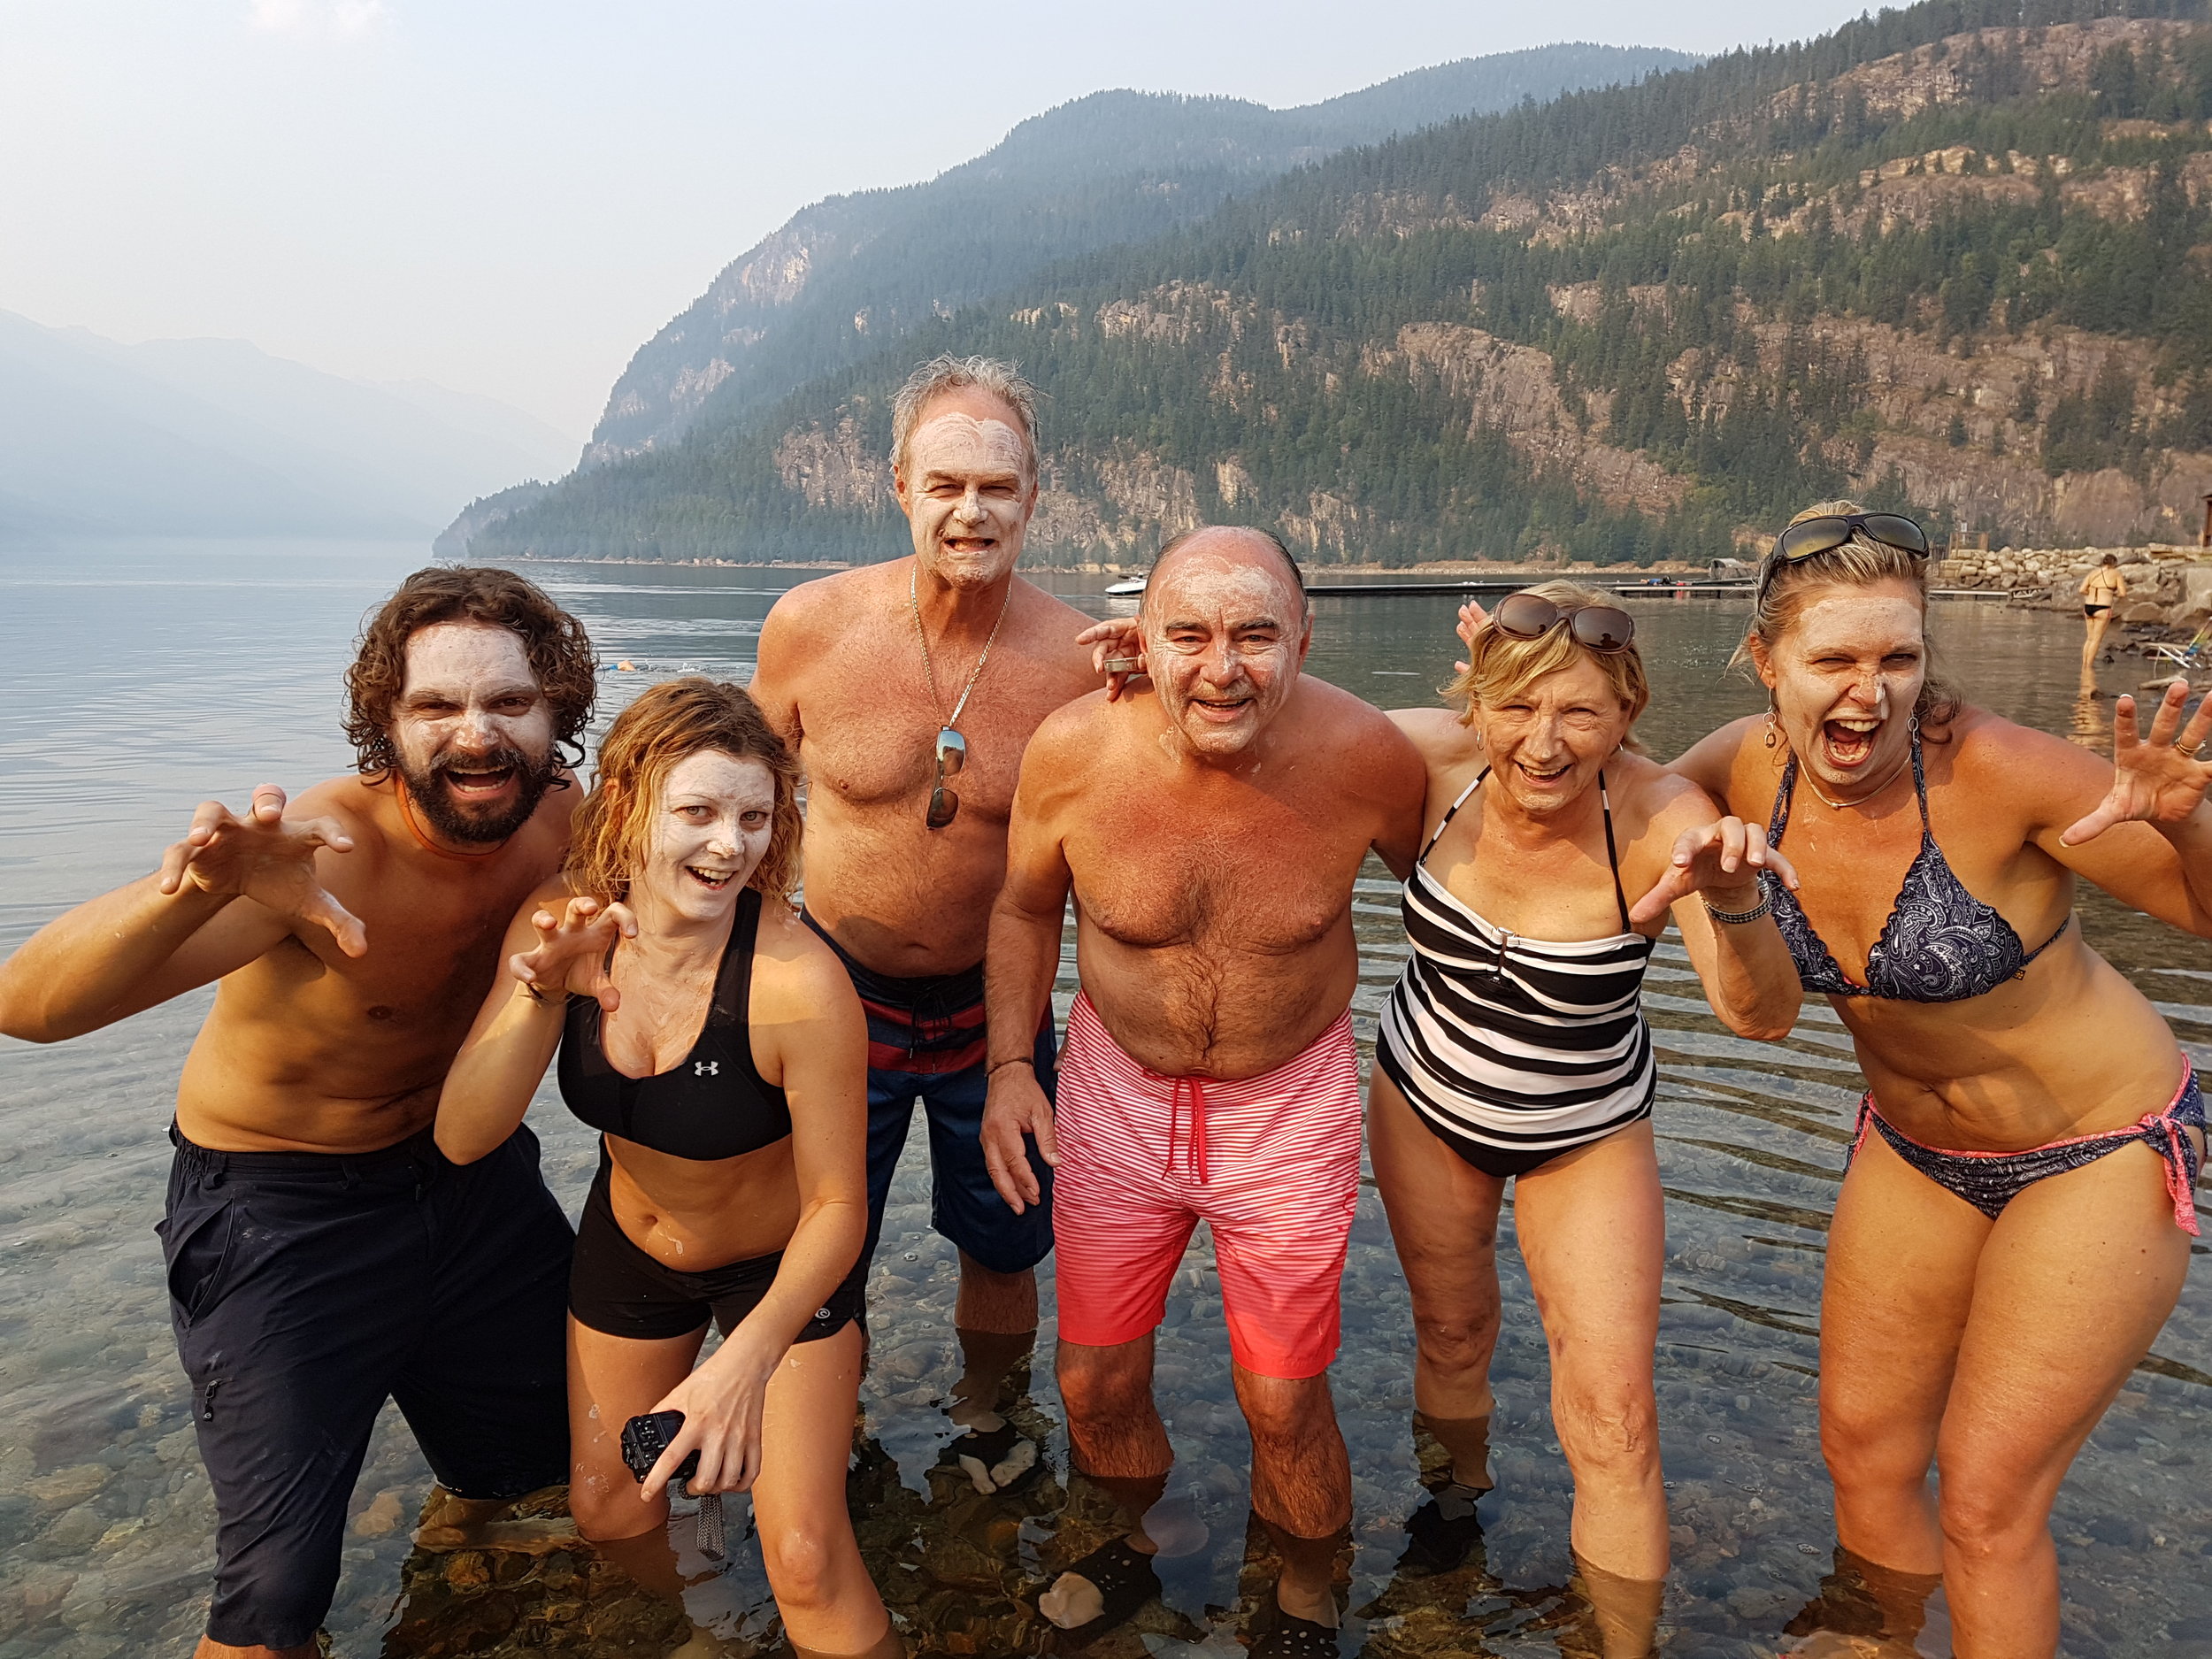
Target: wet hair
948, 373
1176, 543
2110, 558
559, 651
668, 723
1501, 665
1782, 590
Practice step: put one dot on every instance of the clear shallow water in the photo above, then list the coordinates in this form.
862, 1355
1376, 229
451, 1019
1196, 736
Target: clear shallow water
134, 682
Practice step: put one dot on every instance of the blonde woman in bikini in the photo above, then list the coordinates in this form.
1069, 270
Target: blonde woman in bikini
2102, 589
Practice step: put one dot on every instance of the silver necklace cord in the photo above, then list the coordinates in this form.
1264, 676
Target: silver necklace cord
914, 603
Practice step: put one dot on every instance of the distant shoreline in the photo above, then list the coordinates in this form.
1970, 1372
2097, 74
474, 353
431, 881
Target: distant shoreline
1427, 568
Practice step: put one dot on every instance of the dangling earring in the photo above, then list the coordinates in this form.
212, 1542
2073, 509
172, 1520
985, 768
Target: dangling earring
1773, 733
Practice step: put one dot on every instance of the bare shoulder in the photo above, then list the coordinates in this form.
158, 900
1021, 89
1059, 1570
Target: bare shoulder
1711, 762
796, 975
1999, 762
1658, 797
1073, 734
1439, 734
1356, 726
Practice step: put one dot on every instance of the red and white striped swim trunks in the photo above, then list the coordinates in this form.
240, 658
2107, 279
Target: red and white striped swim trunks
1271, 1163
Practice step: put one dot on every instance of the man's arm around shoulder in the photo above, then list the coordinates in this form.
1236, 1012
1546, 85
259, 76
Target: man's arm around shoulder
1395, 776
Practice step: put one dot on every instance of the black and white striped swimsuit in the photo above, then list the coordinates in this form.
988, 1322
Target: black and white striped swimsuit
1512, 1050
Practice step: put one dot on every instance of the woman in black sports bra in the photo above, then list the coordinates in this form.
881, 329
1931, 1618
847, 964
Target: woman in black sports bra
2016, 1223
719, 1047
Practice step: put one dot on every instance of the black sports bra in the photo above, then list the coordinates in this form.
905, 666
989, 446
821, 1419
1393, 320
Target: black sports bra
712, 1103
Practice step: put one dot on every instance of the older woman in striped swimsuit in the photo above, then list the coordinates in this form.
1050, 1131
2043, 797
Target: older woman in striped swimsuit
1516, 1039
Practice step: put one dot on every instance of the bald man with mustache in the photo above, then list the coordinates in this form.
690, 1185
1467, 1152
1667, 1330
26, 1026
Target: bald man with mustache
1211, 828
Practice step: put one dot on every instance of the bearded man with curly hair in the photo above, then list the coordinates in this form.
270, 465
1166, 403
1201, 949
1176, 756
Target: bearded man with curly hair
322, 1256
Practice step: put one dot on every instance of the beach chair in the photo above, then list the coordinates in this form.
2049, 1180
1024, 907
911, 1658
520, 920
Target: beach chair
2183, 659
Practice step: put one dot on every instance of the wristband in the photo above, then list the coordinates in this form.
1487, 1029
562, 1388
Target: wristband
1020, 1059
1738, 917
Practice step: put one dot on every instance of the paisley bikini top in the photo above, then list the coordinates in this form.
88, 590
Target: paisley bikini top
1941, 943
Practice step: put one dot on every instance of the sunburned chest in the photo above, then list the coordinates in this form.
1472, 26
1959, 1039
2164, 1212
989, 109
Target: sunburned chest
1264, 879
1564, 891
869, 737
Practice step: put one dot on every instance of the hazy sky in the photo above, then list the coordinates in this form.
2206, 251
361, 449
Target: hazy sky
510, 196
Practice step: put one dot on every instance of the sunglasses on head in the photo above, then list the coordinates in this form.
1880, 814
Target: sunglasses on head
1825, 535
1527, 616
952, 753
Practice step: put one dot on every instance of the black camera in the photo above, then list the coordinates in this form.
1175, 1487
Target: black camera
645, 1437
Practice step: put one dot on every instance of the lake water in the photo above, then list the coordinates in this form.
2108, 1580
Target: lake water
134, 681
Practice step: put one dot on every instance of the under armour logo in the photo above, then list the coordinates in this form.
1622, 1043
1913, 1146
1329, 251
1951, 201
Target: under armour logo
706, 1068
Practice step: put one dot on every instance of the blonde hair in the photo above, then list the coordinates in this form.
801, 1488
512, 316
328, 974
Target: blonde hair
1501, 665
1783, 589
948, 373
667, 724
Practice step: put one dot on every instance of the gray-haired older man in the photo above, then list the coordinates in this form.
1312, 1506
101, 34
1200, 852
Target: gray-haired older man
910, 689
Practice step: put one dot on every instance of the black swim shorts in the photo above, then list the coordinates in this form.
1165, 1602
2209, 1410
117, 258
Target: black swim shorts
617, 1289
306, 1289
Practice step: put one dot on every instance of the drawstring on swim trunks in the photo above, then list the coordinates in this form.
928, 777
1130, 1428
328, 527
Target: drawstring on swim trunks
1195, 1140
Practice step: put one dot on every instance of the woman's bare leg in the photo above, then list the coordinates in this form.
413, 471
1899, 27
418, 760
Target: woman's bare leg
1444, 1224
1899, 1283
1592, 1230
611, 1379
2077, 1276
828, 1602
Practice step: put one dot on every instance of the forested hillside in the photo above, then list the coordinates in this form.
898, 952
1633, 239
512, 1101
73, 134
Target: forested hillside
851, 274
1957, 260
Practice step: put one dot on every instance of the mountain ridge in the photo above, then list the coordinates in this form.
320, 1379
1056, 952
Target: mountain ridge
1957, 257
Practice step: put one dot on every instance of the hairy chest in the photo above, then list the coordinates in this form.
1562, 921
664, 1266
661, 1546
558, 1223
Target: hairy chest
869, 734
1259, 876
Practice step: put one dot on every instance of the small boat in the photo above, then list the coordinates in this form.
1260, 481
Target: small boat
1126, 589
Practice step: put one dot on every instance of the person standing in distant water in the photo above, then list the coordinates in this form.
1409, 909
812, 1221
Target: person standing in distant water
908, 691
322, 1256
716, 1046
2102, 589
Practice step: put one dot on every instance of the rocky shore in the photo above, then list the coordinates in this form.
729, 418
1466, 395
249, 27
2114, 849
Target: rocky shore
2168, 586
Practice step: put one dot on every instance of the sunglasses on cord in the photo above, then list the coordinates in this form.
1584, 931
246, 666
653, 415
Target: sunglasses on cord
1526, 616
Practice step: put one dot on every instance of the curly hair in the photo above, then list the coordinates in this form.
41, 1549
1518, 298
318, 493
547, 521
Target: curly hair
560, 653
1861, 562
669, 722
1501, 664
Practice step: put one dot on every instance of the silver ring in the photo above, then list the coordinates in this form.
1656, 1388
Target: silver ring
2193, 752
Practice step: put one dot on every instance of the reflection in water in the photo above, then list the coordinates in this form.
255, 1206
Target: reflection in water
105, 1518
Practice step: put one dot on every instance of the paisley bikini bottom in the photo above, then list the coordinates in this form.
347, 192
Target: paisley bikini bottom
1990, 1180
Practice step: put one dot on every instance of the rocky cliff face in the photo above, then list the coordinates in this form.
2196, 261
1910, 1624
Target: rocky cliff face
1967, 275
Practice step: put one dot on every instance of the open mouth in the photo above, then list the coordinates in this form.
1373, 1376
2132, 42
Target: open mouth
476, 783
1221, 708
1846, 743
1543, 776
712, 880
973, 546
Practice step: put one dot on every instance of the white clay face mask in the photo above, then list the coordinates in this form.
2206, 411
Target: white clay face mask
960, 446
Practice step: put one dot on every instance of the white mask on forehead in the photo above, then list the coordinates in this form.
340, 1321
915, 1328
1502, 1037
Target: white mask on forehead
959, 444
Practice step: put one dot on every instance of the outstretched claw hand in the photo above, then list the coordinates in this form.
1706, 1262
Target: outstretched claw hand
572, 949
1118, 640
1720, 860
2156, 782
1014, 1107
1471, 619
262, 858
